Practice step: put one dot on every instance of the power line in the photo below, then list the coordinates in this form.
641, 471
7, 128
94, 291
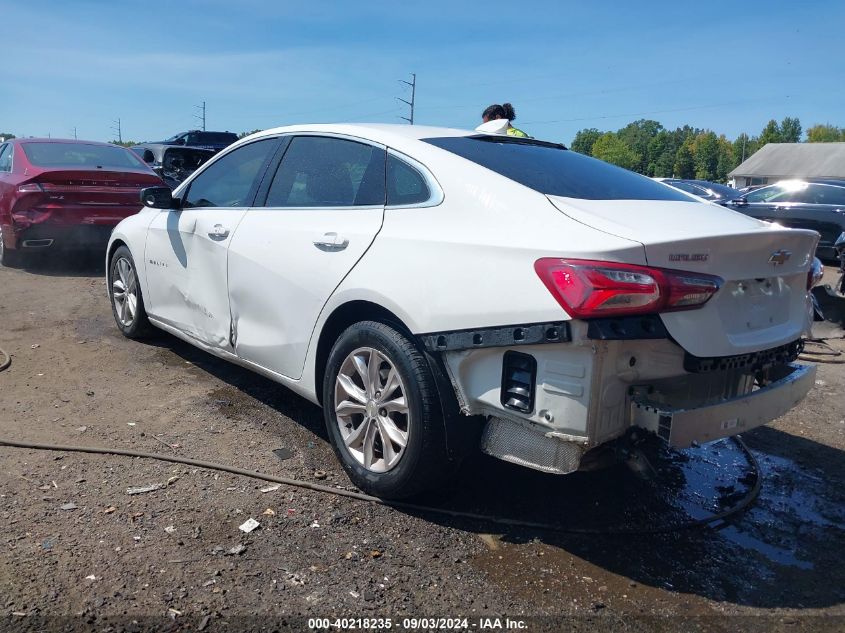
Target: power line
201, 117
413, 84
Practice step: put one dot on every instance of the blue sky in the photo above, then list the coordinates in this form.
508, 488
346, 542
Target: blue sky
727, 66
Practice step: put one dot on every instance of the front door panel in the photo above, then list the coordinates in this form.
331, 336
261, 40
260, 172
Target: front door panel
186, 270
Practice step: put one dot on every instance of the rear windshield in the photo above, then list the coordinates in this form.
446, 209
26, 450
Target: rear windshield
216, 137
80, 155
554, 170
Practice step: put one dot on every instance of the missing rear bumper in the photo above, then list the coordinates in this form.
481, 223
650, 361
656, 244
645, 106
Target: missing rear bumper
681, 427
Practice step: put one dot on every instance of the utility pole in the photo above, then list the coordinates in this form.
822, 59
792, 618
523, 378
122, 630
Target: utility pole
413, 84
74, 133
116, 128
201, 118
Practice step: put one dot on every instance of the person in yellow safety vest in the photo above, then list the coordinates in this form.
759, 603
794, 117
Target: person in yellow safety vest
497, 120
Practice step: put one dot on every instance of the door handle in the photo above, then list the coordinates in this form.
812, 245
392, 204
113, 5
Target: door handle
218, 232
331, 242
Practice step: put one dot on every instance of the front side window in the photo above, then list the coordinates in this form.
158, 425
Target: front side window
785, 192
405, 185
6, 157
228, 182
319, 171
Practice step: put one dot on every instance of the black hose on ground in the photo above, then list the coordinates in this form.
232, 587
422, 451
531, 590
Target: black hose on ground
402, 505
828, 354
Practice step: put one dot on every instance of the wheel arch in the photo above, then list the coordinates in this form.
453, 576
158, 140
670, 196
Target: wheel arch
341, 318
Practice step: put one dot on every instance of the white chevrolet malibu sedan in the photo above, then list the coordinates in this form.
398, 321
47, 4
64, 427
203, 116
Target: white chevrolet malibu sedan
438, 291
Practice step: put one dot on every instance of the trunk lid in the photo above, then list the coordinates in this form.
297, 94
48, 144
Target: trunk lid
763, 302
86, 196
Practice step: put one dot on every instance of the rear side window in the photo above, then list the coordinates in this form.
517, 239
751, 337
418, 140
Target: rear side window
80, 155
552, 169
827, 194
217, 138
229, 181
321, 171
405, 185
5, 157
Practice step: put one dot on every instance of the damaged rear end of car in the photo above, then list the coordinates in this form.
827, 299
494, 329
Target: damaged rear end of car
695, 339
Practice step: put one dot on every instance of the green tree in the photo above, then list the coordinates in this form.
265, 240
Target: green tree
771, 133
790, 130
638, 136
705, 151
726, 159
684, 160
245, 134
583, 141
743, 147
661, 155
609, 147
124, 143
821, 133
6, 135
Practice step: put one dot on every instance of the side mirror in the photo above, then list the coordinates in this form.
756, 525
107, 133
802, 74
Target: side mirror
158, 198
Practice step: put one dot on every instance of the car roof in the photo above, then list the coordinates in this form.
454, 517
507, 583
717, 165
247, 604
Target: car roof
385, 133
825, 181
30, 139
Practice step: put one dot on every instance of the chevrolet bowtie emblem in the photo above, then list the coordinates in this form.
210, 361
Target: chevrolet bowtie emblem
779, 257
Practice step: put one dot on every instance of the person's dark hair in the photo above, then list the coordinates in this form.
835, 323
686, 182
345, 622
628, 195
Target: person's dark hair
496, 111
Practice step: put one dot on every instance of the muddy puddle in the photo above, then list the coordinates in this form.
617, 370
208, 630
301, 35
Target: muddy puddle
785, 549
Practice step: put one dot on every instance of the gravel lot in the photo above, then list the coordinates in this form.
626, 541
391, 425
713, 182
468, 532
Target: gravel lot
81, 553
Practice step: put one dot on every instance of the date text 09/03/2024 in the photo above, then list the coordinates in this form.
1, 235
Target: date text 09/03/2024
415, 624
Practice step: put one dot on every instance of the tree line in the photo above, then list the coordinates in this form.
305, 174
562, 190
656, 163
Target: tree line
645, 146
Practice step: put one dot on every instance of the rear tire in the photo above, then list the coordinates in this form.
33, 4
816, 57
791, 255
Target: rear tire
385, 421
127, 302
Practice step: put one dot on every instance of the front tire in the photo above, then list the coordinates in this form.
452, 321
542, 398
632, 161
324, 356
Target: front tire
127, 302
383, 414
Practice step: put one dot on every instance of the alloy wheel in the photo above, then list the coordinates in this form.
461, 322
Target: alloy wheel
124, 288
371, 409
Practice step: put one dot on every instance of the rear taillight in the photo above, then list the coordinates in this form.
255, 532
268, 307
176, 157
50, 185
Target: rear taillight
815, 274
30, 187
588, 288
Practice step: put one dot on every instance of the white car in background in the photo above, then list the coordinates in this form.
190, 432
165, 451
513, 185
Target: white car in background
437, 290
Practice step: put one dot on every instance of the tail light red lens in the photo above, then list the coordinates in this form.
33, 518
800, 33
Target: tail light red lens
30, 187
589, 288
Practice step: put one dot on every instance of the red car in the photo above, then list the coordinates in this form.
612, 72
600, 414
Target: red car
64, 194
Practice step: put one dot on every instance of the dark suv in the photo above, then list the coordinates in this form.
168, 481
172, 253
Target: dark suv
206, 140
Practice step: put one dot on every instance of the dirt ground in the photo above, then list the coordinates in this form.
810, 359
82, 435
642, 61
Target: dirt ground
79, 553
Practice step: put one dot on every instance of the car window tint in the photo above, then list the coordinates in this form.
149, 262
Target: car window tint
552, 169
320, 171
5, 157
405, 185
683, 186
61, 154
827, 194
228, 181
764, 194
